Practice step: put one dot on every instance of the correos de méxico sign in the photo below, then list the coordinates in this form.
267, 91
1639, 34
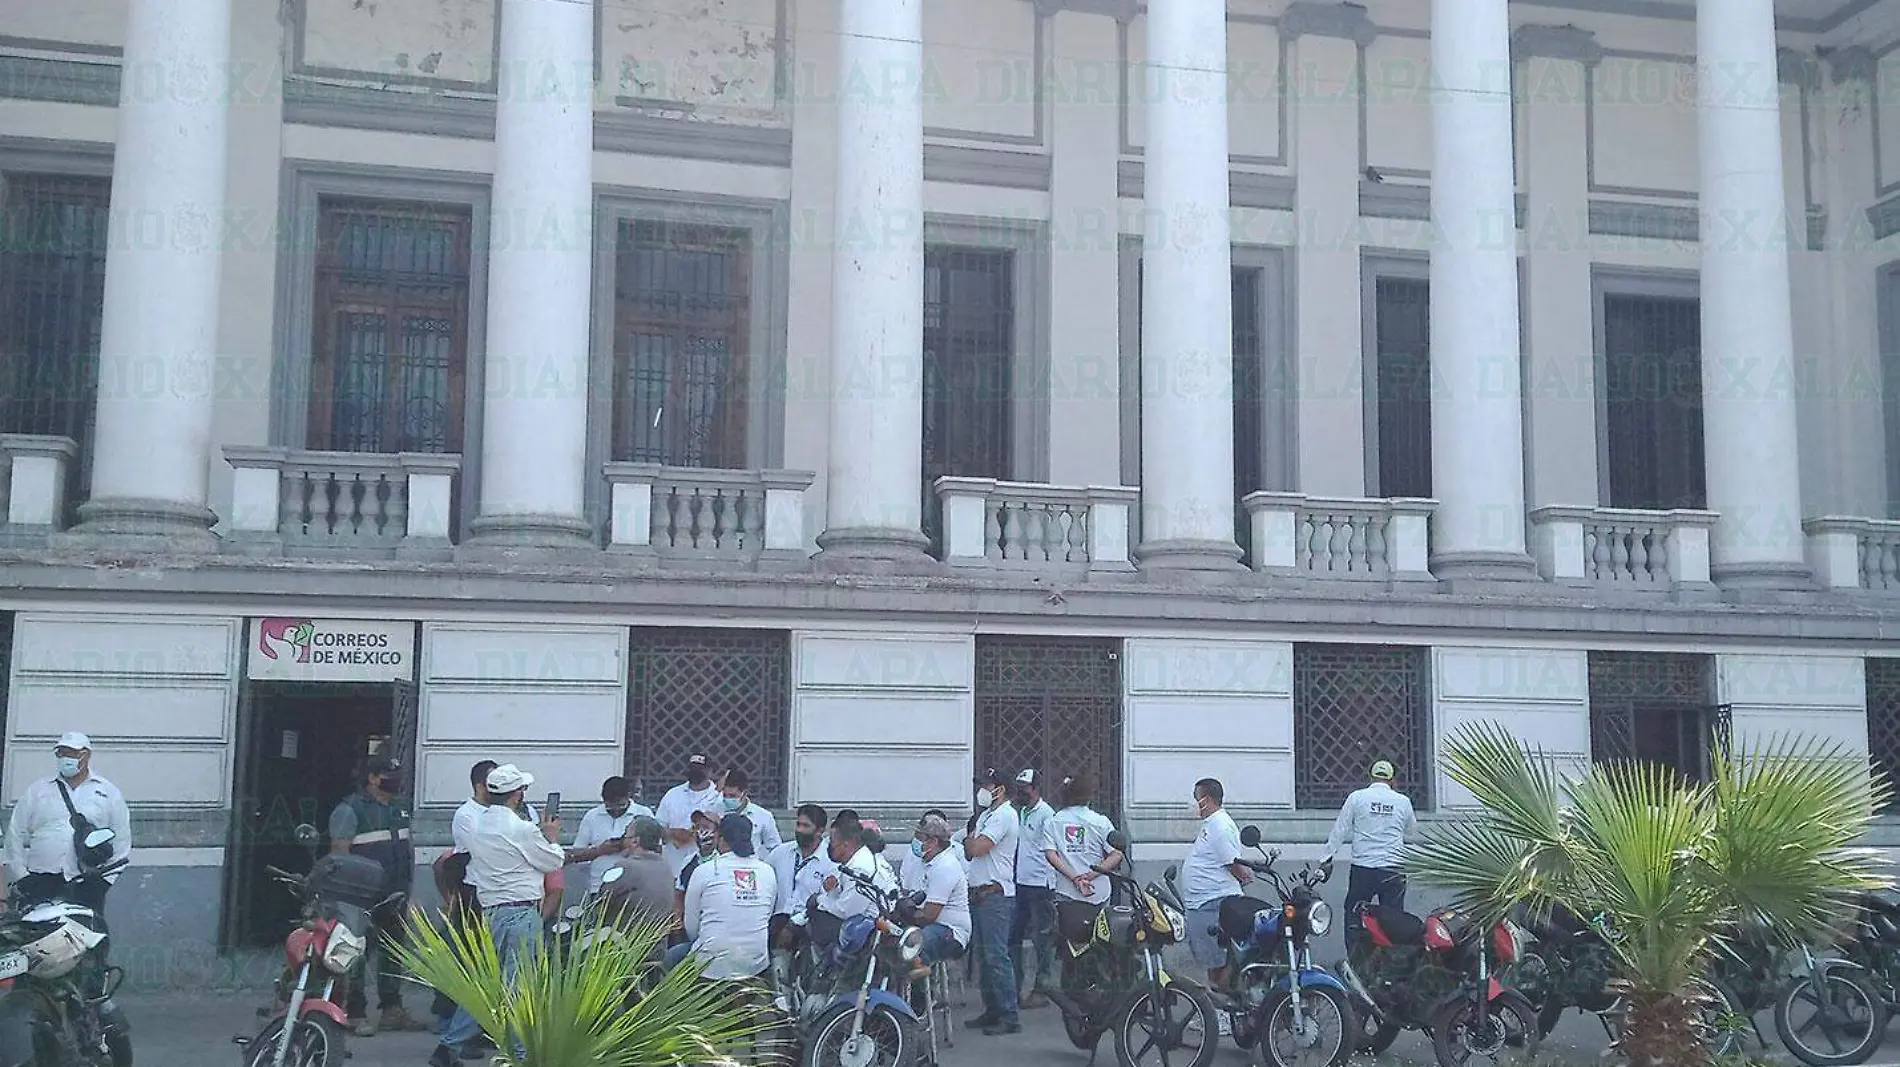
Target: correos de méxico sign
298, 648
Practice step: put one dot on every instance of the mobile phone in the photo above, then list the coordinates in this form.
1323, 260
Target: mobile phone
553, 808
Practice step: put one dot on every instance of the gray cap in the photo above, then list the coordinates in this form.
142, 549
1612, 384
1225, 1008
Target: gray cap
933, 826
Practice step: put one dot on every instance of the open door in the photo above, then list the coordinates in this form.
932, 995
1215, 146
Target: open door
247, 822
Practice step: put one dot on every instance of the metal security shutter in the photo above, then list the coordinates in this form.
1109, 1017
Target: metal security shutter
1353, 704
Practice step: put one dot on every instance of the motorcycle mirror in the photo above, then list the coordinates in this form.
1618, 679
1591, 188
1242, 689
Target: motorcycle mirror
1170, 873
1250, 837
573, 912
1116, 841
306, 835
613, 875
917, 899
100, 838
563, 928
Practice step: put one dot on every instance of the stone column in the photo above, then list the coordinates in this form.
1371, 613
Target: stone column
1477, 392
1748, 391
1325, 44
534, 407
1560, 351
874, 496
1187, 339
158, 347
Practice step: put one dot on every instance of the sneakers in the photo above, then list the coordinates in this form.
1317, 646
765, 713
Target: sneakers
364, 1027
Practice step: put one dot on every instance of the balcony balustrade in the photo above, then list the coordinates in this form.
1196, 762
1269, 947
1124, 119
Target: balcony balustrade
34, 473
742, 517
1340, 537
1855, 554
1623, 548
1030, 526
307, 502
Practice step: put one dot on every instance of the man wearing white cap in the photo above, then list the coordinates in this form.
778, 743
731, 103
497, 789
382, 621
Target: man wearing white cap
509, 859
42, 859
1377, 820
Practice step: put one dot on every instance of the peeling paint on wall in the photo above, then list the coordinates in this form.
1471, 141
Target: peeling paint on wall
451, 41
713, 59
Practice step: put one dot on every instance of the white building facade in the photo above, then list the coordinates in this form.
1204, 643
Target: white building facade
867, 392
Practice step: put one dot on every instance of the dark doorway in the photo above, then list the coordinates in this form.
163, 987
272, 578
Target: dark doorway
1652, 402
1052, 703
298, 747
1655, 708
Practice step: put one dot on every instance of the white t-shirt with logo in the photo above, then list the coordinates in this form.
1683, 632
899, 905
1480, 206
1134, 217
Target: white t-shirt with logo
800, 877
844, 899
676, 813
997, 866
946, 884
728, 915
1080, 836
1032, 868
1205, 877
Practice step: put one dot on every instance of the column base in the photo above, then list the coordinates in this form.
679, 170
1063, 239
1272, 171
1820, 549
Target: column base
535, 532
139, 525
1484, 567
1768, 574
875, 549
1185, 557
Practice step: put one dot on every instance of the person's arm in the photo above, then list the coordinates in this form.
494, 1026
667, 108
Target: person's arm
121, 826
770, 837
1342, 829
342, 829
695, 893
18, 833
1231, 847
977, 847
540, 848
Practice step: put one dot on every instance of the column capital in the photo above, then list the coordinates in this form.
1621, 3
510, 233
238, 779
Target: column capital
1556, 42
1304, 18
1797, 68
1119, 10
1855, 63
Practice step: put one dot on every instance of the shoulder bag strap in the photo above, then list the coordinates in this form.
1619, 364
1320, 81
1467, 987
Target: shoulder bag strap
66, 796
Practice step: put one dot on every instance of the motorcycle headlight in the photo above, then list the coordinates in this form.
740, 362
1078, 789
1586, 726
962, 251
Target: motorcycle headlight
1177, 923
912, 945
344, 950
1319, 918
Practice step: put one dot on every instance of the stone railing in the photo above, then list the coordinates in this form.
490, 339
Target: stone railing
1327, 537
1622, 547
33, 479
1850, 553
343, 500
742, 516
1023, 524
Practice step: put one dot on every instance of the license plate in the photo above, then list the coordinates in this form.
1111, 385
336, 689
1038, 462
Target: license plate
12, 965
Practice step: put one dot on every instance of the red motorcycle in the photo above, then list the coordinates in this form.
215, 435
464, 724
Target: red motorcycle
340, 896
1438, 975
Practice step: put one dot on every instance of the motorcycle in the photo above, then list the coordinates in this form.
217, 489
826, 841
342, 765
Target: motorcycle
1850, 999
56, 1006
1437, 975
1113, 978
1567, 964
849, 997
1299, 1013
339, 896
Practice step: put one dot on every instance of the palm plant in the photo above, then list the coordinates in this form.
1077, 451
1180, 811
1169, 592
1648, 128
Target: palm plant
578, 1008
1679, 871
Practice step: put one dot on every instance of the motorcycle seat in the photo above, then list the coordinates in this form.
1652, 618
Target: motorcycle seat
1399, 927
1237, 917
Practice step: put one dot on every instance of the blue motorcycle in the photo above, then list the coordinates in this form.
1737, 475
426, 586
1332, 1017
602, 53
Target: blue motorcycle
850, 998
1299, 1014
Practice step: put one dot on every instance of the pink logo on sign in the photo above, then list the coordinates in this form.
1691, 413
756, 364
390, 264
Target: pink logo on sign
745, 881
1074, 835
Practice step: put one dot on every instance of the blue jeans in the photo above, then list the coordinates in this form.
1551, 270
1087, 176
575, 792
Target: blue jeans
1035, 923
940, 944
517, 934
990, 918
677, 954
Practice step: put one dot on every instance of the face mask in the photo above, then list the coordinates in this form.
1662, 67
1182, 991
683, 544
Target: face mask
917, 849
616, 810
697, 777
982, 800
804, 839
387, 784
705, 839
69, 766
733, 803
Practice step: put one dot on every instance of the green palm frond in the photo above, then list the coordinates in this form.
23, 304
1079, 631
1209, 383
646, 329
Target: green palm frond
1517, 790
575, 1007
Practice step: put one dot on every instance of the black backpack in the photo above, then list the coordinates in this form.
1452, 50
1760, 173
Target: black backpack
91, 858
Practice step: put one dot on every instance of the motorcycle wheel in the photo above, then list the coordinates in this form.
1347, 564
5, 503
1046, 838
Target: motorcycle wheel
1509, 1034
1852, 1027
1179, 1017
120, 1048
1727, 1021
317, 1041
1327, 1015
888, 1039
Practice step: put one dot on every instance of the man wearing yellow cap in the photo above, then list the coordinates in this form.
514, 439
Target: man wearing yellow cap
1377, 820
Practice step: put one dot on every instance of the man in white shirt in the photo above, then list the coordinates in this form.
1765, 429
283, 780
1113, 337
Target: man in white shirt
735, 798
1212, 873
509, 859
696, 793
729, 907
800, 865
598, 841
946, 911
991, 847
41, 859
1075, 844
1377, 820
452, 866
1035, 919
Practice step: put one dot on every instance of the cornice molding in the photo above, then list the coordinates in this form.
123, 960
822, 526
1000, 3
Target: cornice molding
1556, 42
1304, 18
